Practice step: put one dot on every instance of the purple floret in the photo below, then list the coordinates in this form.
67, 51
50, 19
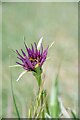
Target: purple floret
35, 57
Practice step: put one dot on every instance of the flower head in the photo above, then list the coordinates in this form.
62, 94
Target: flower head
34, 58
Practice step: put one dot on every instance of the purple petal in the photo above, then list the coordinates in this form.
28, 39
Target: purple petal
26, 65
23, 52
20, 58
42, 61
39, 53
44, 55
30, 52
36, 51
35, 46
32, 48
26, 68
25, 45
26, 48
34, 63
19, 54
23, 60
33, 52
29, 63
19, 63
45, 52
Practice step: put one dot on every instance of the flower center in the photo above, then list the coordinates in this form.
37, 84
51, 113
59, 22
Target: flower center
37, 65
32, 60
35, 60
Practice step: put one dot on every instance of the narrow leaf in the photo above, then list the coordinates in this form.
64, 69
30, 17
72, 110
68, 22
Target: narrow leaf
47, 115
29, 113
73, 114
54, 102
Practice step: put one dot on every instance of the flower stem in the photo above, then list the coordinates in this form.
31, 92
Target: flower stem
42, 101
37, 74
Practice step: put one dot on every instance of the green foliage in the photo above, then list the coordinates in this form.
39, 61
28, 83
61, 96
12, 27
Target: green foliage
41, 108
73, 115
54, 102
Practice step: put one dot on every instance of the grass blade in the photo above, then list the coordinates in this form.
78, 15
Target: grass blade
14, 99
21, 75
51, 44
29, 116
47, 115
14, 96
73, 114
54, 102
63, 109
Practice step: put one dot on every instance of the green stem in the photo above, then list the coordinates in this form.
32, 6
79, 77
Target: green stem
38, 78
47, 108
44, 96
37, 73
42, 101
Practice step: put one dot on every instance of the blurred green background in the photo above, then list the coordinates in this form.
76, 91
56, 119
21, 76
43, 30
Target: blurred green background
55, 22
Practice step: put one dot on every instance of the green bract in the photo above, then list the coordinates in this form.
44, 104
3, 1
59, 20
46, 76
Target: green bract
37, 74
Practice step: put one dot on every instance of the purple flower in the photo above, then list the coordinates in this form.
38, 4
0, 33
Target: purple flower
34, 58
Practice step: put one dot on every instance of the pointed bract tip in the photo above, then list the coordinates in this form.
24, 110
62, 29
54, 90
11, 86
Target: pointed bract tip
21, 75
39, 43
51, 44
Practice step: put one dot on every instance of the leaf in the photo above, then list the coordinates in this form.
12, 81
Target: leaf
73, 114
47, 115
54, 102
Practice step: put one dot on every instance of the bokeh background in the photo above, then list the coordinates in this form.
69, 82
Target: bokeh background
55, 22
1, 58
